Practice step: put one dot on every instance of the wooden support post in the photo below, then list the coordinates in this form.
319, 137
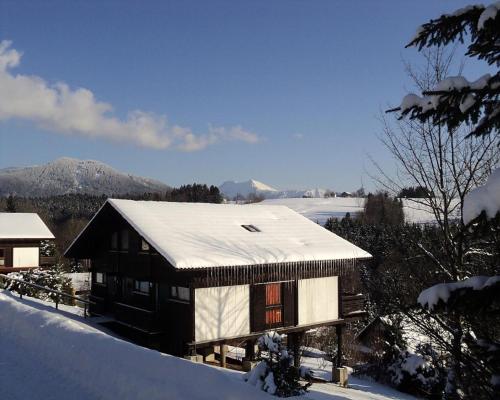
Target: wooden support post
296, 343
223, 354
338, 330
250, 350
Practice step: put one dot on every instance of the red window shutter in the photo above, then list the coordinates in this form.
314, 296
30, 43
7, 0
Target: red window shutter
273, 294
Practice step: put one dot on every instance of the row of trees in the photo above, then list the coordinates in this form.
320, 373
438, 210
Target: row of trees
67, 215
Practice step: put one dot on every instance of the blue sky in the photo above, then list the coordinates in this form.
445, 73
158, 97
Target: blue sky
286, 92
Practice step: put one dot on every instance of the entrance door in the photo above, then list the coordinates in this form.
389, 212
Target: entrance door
115, 287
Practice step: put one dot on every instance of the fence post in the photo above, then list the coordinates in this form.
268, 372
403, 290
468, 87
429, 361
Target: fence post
21, 291
84, 310
57, 302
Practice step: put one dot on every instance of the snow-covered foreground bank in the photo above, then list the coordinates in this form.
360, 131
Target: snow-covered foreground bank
49, 354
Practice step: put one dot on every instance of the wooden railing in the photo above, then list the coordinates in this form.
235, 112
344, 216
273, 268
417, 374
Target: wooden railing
352, 303
47, 260
137, 317
5, 278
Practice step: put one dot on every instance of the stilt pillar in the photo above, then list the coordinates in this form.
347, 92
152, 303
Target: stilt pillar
296, 342
338, 330
250, 350
223, 355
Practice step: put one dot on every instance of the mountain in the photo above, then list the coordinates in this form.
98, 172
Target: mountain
231, 189
69, 175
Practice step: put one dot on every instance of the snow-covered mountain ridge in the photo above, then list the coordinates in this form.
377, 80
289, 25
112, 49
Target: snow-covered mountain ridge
69, 175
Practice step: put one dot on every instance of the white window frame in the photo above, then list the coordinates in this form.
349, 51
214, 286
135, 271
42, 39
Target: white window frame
100, 278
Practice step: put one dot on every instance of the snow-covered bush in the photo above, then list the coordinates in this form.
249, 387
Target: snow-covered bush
275, 372
420, 373
52, 278
47, 248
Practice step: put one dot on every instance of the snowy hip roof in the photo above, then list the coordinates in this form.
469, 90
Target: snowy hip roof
199, 235
23, 226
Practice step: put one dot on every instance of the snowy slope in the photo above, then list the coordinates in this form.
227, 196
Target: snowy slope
320, 210
45, 355
69, 175
50, 354
231, 189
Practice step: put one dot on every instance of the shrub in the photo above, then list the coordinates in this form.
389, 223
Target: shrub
52, 278
275, 372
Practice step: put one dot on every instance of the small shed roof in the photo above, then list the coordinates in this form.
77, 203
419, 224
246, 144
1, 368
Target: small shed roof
198, 235
23, 226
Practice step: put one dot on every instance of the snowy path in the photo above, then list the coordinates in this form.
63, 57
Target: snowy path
49, 354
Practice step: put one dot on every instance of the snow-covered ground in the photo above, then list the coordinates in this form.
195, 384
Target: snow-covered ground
321, 209
56, 354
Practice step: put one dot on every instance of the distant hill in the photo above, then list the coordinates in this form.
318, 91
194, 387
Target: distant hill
231, 189
69, 175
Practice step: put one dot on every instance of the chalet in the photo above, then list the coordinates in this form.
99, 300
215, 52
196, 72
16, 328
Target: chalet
20, 236
192, 276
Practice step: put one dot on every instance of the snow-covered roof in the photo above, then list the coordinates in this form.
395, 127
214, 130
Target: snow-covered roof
197, 235
23, 226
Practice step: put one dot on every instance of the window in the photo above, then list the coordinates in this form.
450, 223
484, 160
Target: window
180, 293
144, 245
114, 241
100, 278
142, 287
274, 306
2, 257
251, 228
124, 239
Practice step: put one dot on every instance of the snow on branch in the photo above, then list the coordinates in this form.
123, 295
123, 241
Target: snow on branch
456, 100
483, 198
430, 297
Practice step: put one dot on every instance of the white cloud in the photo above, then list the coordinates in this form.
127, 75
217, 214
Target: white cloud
58, 108
298, 136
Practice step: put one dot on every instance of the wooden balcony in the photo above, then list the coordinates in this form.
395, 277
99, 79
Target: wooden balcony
353, 305
47, 260
135, 317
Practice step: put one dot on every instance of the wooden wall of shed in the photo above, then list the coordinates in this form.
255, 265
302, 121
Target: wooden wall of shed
9, 244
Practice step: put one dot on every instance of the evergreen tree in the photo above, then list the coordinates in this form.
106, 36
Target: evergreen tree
11, 204
275, 373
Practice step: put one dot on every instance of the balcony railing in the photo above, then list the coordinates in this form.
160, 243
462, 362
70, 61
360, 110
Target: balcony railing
58, 295
353, 304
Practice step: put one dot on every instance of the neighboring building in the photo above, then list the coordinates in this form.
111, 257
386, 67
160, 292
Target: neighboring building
20, 236
190, 276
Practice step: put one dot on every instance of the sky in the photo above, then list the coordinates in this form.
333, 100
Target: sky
285, 92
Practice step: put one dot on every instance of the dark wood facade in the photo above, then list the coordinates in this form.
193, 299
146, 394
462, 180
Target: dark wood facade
123, 265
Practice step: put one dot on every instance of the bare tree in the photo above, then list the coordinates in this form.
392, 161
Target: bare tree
448, 165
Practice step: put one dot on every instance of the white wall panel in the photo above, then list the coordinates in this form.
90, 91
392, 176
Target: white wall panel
25, 257
222, 312
318, 300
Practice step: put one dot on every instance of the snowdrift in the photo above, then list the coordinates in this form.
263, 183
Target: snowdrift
45, 355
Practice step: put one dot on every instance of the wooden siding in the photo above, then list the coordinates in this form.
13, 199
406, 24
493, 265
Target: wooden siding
9, 244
